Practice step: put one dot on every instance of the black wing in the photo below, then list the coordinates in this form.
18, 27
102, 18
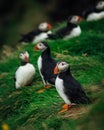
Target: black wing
63, 31
74, 91
29, 36
52, 36
48, 70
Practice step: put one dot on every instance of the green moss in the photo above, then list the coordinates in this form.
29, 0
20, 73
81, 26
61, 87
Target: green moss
26, 109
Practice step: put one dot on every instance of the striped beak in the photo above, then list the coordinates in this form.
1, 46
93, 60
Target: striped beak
26, 59
79, 18
56, 70
49, 26
36, 48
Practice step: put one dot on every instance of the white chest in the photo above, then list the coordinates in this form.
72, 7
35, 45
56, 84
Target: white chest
39, 63
24, 75
95, 16
60, 89
75, 32
40, 37
40, 67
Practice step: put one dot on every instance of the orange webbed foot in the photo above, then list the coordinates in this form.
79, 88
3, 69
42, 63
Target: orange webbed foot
41, 90
47, 86
65, 107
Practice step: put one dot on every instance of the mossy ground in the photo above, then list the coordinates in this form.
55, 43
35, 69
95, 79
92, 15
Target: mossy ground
25, 109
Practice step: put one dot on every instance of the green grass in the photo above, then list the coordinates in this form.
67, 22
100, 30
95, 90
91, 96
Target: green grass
26, 109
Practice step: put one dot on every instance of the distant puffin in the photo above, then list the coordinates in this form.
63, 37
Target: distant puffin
68, 88
70, 30
25, 73
46, 65
37, 35
94, 13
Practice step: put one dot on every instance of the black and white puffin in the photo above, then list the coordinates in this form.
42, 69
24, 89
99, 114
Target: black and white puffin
70, 30
46, 65
25, 72
68, 88
41, 33
95, 12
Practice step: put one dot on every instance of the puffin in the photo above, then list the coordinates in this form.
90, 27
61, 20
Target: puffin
96, 12
46, 65
68, 87
37, 35
25, 72
70, 30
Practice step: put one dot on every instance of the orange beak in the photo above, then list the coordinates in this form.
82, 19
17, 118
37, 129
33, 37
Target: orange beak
56, 70
26, 59
79, 18
49, 26
36, 48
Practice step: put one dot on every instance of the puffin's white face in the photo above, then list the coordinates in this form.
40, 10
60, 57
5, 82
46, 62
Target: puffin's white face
45, 26
61, 67
40, 46
75, 19
100, 5
24, 56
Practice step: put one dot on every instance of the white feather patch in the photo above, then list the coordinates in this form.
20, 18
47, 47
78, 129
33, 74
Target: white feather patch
60, 89
40, 67
95, 16
75, 32
24, 75
41, 36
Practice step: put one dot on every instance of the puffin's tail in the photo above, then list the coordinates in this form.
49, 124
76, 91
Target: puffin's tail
52, 36
84, 99
22, 38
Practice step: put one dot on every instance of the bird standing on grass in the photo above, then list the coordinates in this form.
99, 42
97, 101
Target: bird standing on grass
94, 13
25, 73
46, 65
70, 30
37, 35
68, 88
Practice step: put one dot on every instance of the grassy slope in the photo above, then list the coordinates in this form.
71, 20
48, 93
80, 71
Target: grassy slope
26, 109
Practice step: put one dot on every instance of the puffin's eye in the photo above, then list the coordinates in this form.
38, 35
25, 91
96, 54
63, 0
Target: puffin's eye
74, 17
62, 64
101, 3
40, 44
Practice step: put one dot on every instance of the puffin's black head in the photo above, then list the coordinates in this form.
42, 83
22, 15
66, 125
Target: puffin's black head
24, 56
61, 67
41, 46
100, 5
44, 26
74, 19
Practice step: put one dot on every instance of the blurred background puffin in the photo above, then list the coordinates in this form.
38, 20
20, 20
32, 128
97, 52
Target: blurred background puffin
68, 88
70, 30
94, 12
46, 65
25, 72
37, 35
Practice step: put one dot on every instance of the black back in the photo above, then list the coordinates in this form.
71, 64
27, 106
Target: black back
91, 10
48, 65
65, 30
73, 89
23, 63
62, 32
30, 36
